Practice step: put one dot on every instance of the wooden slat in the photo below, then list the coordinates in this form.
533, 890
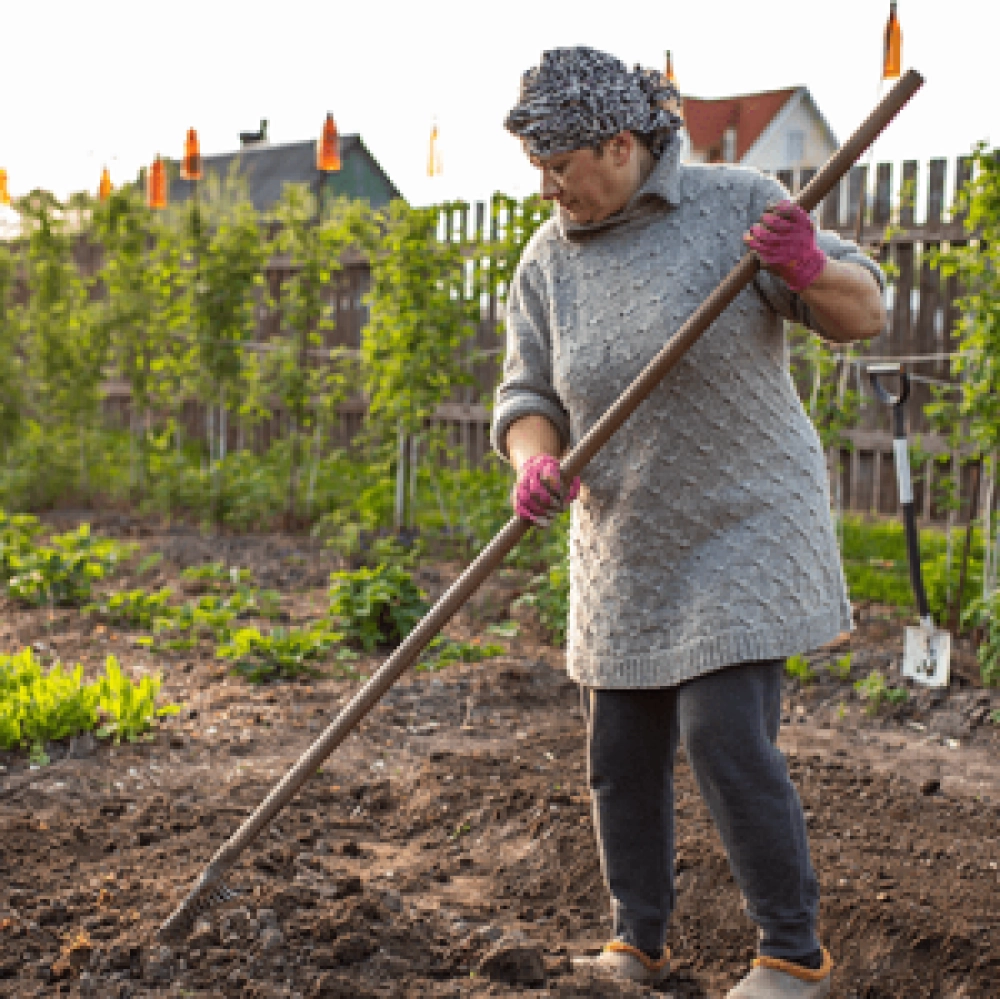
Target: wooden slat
963, 174
857, 184
935, 190
908, 194
883, 194
830, 212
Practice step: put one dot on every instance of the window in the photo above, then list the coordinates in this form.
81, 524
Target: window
729, 145
796, 147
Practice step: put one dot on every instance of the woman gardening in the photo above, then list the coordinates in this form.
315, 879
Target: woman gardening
702, 552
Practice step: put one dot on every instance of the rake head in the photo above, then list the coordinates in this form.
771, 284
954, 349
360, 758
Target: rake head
199, 900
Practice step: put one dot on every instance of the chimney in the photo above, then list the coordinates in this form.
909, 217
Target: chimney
258, 138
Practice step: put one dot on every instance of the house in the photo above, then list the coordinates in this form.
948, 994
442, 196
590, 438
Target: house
269, 167
774, 131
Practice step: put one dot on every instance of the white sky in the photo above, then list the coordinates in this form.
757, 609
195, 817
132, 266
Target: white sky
89, 82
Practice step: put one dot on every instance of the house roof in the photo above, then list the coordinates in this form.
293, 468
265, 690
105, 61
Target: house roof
268, 168
707, 119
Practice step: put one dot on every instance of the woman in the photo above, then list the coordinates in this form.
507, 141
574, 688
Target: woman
701, 549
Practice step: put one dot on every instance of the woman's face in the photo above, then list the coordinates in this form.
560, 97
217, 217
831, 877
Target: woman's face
589, 185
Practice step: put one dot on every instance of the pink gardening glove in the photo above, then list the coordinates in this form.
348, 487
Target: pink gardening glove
538, 495
785, 241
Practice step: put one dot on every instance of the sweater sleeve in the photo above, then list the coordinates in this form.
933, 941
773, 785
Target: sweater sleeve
526, 387
774, 291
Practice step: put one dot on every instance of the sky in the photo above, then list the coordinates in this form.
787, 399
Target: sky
88, 83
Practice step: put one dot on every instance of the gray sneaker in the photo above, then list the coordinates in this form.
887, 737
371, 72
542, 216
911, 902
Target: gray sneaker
625, 963
772, 978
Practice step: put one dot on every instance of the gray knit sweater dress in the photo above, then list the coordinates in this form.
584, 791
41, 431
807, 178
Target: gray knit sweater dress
702, 534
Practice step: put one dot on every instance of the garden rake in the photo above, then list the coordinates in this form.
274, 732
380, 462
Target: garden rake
926, 649
209, 889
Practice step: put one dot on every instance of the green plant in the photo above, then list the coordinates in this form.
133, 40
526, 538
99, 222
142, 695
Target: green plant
129, 708
985, 614
217, 575
798, 667
37, 707
875, 691
136, 608
376, 606
61, 573
840, 667
995, 717
446, 652
548, 596
282, 653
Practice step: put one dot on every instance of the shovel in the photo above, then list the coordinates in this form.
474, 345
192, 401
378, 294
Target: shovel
209, 889
926, 649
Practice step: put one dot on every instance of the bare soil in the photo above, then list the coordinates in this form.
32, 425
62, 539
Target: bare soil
446, 848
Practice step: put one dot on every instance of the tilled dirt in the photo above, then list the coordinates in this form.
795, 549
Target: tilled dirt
446, 849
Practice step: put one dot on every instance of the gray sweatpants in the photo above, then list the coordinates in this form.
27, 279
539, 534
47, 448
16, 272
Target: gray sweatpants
728, 722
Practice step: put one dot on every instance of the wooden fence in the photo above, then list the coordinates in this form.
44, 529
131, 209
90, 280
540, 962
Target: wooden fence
902, 217
897, 217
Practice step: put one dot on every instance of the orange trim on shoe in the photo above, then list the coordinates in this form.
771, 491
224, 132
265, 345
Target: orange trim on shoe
796, 970
620, 947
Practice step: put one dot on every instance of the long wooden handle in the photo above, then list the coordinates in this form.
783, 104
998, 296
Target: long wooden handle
494, 553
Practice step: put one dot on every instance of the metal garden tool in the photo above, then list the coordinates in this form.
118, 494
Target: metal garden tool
926, 649
209, 888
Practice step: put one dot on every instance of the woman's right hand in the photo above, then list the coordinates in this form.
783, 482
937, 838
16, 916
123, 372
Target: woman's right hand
538, 494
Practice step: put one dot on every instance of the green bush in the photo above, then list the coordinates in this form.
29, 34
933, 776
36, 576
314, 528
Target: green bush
61, 573
37, 707
281, 654
135, 608
377, 606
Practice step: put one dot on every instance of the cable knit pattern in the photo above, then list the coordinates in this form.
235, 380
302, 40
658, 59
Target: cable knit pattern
702, 535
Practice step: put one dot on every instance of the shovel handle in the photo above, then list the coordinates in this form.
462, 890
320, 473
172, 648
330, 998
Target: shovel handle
904, 487
883, 394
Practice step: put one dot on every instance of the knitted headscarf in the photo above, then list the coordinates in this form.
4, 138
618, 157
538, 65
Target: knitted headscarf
580, 97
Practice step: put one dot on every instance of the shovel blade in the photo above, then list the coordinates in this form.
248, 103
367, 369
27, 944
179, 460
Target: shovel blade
927, 656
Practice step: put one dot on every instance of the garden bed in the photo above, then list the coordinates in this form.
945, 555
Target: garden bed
446, 848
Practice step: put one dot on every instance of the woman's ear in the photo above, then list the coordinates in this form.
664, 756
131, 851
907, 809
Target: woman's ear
622, 147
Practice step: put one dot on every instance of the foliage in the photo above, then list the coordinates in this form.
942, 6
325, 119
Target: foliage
61, 573
307, 379
876, 568
875, 692
376, 606
548, 596
841, 666
135, 608
421, 314
129, 708
284, 653
985, 613
832, 405
11, 363
443, 652
977, 266
216, 575
798, 668
37, 707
